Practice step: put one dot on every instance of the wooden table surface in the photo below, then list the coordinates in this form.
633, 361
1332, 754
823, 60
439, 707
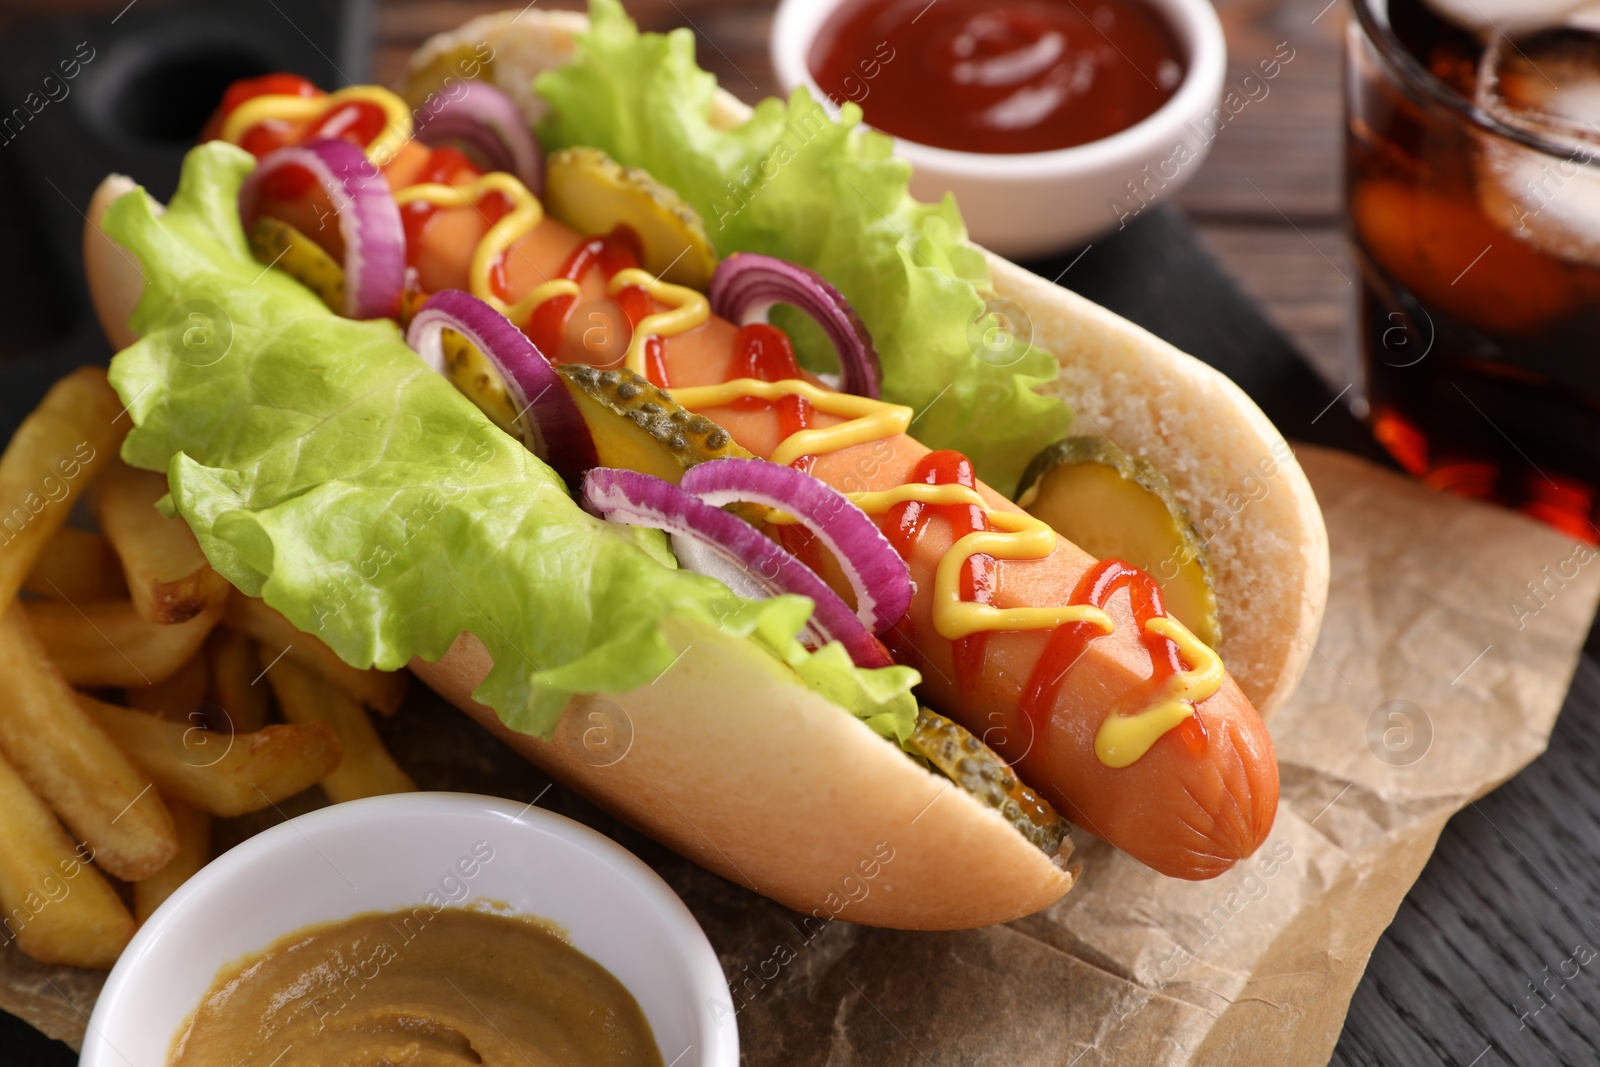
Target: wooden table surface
1496, 914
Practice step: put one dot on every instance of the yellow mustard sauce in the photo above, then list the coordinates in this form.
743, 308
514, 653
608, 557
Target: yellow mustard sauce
301, 109
526, 213
425, 987
522, 309
1020, 537
1122, 739
867, 420
686, 310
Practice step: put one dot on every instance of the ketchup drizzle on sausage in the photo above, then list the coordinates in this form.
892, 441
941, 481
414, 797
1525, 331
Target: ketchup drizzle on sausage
906, 523
637, 305
1067, 645
357, 121
268, 136
616, 251
764, 353
445, 166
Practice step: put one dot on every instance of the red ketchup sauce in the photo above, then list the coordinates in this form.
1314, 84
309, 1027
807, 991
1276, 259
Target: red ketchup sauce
445, 166
267, 136
999, 76
906, 523
764, 353
637, 305
1068, 643
616, 251
357, 121
291, 182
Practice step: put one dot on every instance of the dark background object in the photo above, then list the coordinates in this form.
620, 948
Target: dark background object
156, 72
23, 1046
1492, 956
1509, 894
147, 78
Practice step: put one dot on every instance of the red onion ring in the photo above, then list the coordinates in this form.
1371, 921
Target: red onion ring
720, 545
554, 429
746, 285
369, 219
484, 123
880, 578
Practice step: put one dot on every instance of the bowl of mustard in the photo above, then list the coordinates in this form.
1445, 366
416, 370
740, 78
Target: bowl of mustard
419, 928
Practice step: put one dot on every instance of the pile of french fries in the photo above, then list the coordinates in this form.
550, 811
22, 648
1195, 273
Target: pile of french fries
137, 692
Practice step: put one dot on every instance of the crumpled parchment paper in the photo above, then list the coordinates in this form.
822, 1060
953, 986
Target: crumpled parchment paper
1451, 635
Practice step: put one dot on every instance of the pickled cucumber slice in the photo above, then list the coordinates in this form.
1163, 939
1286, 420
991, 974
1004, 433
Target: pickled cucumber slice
281, 245
637, 426
589, 191
462, 61
470, 371
955, 753
1115, 507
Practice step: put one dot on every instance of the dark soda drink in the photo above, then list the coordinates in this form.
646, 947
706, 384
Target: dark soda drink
1473, 184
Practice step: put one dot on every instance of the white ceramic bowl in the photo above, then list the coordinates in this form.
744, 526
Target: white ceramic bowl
388, 853
1036, 202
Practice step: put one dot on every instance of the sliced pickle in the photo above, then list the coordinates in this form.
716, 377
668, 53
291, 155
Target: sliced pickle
637, 426
1116, 507
281, 245
471, 372
955, 753
592, 193
462, 61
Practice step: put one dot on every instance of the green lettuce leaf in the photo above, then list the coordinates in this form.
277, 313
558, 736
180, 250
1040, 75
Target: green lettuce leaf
324, 468
794, 183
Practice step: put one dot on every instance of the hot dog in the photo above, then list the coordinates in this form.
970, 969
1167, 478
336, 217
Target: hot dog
1191, 807
1189, 793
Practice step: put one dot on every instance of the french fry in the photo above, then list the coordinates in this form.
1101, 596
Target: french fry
68, 760
237, 687
76, 565
221, 773
367, 769
194, 849
180, 697
73, 432
168, 577
107, 644
58, 909
382, 691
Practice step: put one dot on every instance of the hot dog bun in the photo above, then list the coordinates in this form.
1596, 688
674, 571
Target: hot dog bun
735, 765
114, 279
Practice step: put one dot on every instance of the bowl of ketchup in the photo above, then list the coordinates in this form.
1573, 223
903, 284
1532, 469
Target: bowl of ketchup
1052, 121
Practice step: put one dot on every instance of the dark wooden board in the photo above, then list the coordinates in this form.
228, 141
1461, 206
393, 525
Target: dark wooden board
1494, 957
